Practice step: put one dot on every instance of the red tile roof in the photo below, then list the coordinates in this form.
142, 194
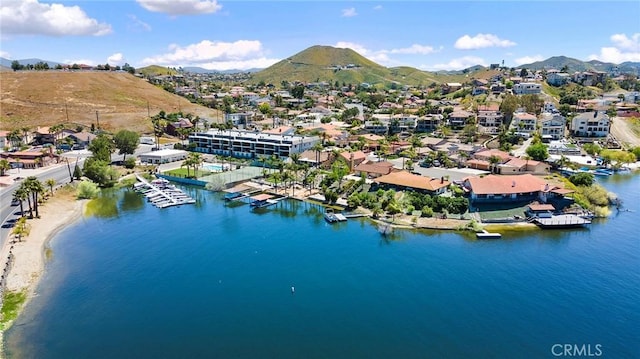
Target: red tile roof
406, 179
375, 167
494, 184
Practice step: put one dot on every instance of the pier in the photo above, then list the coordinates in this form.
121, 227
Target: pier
561, 221
161, 194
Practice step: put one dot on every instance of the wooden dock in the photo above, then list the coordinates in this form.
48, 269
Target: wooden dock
562, 221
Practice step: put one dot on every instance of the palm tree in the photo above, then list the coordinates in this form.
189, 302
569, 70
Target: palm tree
20, 194
21, 229
494, 160
25, 133
35, 187
4, 166
50, 183
318, 148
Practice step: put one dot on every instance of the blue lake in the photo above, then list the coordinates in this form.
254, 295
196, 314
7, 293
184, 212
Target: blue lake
209, 280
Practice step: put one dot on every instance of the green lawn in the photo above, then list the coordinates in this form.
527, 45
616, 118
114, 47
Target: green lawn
182, 172
11, 306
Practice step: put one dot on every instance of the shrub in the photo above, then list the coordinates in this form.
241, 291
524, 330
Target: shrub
130, 163
87, 190
582, 179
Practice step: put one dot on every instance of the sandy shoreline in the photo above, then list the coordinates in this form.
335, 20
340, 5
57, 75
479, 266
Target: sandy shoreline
58, 212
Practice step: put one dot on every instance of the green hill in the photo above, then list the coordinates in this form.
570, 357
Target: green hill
155, 70
330, 64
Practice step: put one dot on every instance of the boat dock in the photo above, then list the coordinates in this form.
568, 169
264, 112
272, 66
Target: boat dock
334, 217
561, 221
488, 235
161, 194
264, 200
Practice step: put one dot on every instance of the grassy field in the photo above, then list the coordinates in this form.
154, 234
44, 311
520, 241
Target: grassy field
112, 99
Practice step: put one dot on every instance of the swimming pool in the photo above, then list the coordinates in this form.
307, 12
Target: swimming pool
213, 167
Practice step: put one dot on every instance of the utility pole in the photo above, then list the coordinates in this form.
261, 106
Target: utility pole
148, 109
97, 121
66, 110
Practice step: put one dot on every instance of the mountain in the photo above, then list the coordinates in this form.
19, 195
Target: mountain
7, 63
200, 70
558, 62
119, 100
155, 70
330, 64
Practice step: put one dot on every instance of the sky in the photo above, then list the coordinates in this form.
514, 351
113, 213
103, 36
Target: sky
223, 35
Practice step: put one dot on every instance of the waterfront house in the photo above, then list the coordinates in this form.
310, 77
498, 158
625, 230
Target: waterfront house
403, 180
373, 169
552, 126
29, 159
501, 188
591, 124
247, 144
353, 159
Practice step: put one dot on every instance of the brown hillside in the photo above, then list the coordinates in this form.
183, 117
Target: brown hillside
31, 99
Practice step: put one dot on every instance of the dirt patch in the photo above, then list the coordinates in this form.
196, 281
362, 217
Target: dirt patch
115, 100
625, 131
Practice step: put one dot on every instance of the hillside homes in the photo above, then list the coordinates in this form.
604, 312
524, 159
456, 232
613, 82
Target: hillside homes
591, 124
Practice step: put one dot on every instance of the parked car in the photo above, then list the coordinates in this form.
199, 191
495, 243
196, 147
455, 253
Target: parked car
15, 202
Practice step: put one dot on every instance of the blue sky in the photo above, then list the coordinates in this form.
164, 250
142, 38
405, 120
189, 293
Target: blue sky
222, 35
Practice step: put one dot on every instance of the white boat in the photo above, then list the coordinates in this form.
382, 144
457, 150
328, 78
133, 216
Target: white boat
487, 235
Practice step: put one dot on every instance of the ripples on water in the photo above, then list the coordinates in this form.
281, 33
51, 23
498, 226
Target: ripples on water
212, 280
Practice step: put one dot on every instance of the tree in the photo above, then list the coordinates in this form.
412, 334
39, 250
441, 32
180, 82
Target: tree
298, 92
126, 141
99, 172
582, 179
21, 194
265, 108
21, 228
494, 160
4, 166
35, 187
538, 152
15, 65
50, 183
102, 147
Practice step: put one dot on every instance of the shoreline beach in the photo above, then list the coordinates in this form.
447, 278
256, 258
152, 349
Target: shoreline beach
56, 214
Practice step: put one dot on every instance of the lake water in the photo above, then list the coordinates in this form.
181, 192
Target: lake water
212, 281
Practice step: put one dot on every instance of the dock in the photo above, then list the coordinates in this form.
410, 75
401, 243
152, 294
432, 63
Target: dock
161, 194
561, 221
488, 235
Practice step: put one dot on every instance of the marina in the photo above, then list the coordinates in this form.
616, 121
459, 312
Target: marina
162, 194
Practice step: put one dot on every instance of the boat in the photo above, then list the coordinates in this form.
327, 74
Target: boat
602, 172
332, 217
488, 235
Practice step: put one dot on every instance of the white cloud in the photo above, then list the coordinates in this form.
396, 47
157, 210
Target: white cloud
241, 54
350, 12
377, 7
528, 59
5, 54
624, 49
137, 25
29, 17
480, 41
457, 64
415, 49
116, 59
181, 7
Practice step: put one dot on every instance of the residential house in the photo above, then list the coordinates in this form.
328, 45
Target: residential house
552, 126
490, 119
322, 159
403, 180
518, 165
353, 159
507, 188
43, 135
497, 88
82, 139
402, 123
557, 78
373, 169
458, 119
428, 123
524, 123
182, 123
527, 88
239, 118
591, 124
451, 87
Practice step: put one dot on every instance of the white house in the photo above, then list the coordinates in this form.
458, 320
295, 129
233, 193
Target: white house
552, 126
591, 124
527, 88
524, 123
